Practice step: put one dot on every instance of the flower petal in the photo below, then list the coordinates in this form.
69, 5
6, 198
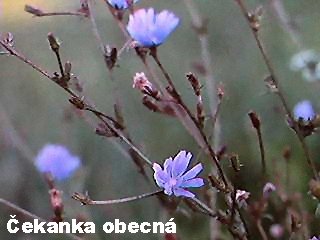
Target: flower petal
160, 176
195, 182
180, 163
182, 192
168, 166
193, 172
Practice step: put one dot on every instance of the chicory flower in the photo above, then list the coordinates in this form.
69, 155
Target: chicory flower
150, 29
304, 110
57, 160
174, 177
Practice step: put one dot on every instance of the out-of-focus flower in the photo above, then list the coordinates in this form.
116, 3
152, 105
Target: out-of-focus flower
121, 4
304, 110
57, 160
276, 231
241, 197
173, 178
315, 238
308, 62
267, 189
149, 29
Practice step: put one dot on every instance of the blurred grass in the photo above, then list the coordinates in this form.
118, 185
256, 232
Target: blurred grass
37, 107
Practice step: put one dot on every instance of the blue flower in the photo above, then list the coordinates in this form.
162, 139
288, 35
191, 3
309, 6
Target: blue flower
150, 29
173, 178
121, 4
57, 160
304, 110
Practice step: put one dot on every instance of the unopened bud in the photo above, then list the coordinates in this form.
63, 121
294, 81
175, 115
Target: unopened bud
67, 67
33, 10
254, 119
267, 189
54, 44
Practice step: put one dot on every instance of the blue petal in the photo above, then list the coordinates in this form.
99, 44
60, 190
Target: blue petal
165, 23
182, 192
193, 172
150, 29
160, 176
195, 182
168, 164
180, 163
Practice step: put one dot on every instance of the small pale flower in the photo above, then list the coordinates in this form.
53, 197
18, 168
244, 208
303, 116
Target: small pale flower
301, 60
141, 82
121, 4
315, 238
57, 160
151, 29
267, 189
241, 197
304, 110
174, 177
308, 62
276, 231
312, 73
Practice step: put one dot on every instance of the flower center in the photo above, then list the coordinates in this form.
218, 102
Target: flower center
172, 181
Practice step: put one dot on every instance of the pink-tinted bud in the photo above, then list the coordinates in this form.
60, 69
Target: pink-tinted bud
276, 231
267, 189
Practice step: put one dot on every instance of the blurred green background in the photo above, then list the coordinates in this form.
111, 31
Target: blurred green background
40, 113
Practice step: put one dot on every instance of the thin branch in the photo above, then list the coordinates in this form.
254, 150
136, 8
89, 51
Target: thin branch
16, 140
261, 230
286, 22
31, 215
85, 199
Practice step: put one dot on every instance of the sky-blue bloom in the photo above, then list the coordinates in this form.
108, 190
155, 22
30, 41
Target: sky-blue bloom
151, 29
57, 160
120, 4
304, 110
173, 178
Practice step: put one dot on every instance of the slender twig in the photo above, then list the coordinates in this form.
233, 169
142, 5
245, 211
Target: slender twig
14, 136
57, 53
262, 151
52, 14
85, 199
203, 206
31, 215
279, 90
261, 230
18, 55
286, 22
